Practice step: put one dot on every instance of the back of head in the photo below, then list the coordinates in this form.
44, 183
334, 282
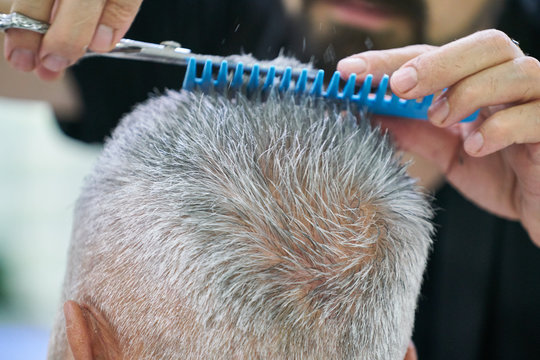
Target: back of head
212, 228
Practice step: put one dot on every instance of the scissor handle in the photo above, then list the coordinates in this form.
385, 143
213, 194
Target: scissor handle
167, 52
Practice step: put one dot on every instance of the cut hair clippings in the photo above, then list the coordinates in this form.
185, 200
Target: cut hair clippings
236, 76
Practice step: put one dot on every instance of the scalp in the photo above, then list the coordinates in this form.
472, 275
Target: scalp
281, 229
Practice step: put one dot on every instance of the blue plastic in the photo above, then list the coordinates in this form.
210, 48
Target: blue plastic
381, 102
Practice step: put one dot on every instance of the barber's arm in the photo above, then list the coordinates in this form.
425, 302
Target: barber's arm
494, 161
75, 27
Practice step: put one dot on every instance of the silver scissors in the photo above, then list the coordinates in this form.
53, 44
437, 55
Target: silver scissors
167, 52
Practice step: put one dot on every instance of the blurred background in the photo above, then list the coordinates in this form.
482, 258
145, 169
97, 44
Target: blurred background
41, 172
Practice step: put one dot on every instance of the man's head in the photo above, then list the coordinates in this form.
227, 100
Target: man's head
339, 28
212, 228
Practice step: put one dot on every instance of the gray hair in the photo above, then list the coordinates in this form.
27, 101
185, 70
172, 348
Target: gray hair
218, 229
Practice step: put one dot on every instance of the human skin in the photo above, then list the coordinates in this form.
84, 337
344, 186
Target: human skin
351, 26
494, 161
76, 26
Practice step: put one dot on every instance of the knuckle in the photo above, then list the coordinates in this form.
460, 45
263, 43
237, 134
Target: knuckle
420, 48
496, 130
528, 65
536, 110
376, 61
501, 42
17, 38
533, 153
370, 56
66, 47
468, 92
120, 11
497, 36
429, 64
424, 48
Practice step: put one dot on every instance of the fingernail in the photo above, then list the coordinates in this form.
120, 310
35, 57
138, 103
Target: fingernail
102, 38
23, 59
404, 80
474, 143
352, 65
439, 110
55, 63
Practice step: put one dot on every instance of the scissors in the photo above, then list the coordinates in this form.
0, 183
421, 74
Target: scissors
166, 52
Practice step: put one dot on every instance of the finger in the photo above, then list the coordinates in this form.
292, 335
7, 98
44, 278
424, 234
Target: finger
443, 147
515, 125
114, 23
69, 34
48, 75
21, 46
379, 62
515, 81
528, 167
443, 67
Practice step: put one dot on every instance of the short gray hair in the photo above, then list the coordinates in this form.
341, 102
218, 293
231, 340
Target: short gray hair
213, 228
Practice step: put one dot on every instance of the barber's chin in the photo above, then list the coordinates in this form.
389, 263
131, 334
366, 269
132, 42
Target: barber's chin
360, 14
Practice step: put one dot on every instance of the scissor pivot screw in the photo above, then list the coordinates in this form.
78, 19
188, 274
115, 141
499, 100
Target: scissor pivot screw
170, 44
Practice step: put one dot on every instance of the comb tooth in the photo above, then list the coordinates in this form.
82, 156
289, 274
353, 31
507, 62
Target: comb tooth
285, 80
420, 109
333, 87
191, 72
426, 102
316, 89
411, 104
238, 77
221, 81
348, 90
301, 82
206, 78
366, 89
471, 117
395, 101
253, 79
270, 76
381, 90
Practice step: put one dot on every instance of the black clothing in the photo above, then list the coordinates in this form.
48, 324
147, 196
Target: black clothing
481, 295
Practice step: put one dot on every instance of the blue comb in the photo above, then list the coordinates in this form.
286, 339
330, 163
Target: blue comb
250, 80
306, 82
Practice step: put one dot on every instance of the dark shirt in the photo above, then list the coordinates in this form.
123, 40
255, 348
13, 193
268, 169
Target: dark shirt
481, 294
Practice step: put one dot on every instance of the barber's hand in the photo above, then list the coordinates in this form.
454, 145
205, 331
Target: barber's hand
76, 26
494, 161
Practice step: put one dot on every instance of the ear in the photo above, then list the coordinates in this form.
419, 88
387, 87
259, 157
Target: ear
411, 352
89, 334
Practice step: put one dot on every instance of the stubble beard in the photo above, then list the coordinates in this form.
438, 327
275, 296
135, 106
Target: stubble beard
329, 41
